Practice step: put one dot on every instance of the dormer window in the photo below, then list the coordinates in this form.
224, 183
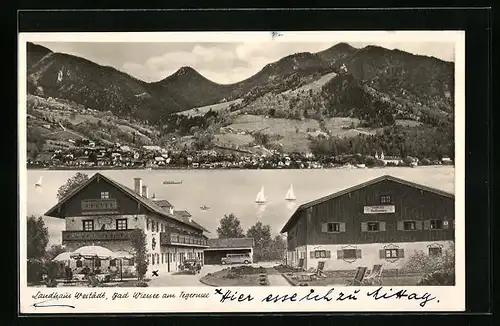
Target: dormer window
104, 195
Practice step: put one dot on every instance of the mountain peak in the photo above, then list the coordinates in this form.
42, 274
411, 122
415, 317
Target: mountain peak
342, 46
184, 70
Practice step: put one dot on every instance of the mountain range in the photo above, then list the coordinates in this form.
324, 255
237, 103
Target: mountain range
407, 83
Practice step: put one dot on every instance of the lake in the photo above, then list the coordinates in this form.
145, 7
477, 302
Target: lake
231, 191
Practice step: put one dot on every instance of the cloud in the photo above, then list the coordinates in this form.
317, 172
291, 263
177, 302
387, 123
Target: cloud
212, 61
225, 65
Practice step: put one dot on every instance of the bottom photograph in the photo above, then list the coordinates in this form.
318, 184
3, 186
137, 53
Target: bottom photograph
241, 228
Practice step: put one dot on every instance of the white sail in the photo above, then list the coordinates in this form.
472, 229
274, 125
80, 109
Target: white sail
39, 183
260, 196
289, 194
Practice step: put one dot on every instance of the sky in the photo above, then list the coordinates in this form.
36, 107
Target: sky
223, 62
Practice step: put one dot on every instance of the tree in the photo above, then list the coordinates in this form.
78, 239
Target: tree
37, 236
262, 240
278, 247
53, 251
71, 184
230, 227
138, 240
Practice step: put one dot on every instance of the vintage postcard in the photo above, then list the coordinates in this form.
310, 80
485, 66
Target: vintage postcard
241, 172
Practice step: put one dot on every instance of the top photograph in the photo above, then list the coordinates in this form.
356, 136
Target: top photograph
254, 105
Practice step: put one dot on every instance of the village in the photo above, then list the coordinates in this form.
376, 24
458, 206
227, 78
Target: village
86, 154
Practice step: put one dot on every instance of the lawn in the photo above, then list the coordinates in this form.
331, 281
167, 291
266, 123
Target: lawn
233, 139
343, 277
293, 133
238, 276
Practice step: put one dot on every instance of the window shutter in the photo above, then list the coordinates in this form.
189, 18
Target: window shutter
418, 225
401, 253
328, 254
312, 254
427, 225
364, 227
381, 253
342, 227
324, 227
400, 226
358, 253
340, 254
382, 226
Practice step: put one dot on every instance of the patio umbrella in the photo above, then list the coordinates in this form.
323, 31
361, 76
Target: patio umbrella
94, 252
62, 257
121, 255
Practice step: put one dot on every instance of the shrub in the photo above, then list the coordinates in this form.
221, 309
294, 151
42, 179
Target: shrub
438, 270
438, 278
425, 162
34, 270
141, 284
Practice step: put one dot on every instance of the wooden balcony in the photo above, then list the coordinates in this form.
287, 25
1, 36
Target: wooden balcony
99, 206
98, 235
169, 238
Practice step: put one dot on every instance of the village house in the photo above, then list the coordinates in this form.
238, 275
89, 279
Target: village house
383, 221
103, 212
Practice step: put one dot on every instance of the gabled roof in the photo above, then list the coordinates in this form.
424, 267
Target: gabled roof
360, 186
231, 243
147, 203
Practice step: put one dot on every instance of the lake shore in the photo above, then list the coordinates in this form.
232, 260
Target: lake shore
173, 168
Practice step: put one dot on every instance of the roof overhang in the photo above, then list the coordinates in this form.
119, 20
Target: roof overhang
229, 248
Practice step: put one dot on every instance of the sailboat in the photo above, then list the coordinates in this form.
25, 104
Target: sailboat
39, 182
290, 196
260, 199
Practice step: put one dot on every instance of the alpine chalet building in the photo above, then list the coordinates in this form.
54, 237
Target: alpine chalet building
382, 221
103, 212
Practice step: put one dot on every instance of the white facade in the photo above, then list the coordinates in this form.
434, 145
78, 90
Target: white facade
390, 255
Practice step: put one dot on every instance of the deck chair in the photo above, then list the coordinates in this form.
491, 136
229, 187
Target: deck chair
300, 266
375, 276
359, 277
319, 270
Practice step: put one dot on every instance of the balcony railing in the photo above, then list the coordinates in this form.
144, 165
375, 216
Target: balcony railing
98, 235
168, 238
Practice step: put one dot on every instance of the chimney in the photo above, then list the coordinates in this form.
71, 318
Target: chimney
145, 191
138, 186
171, 210
154, 196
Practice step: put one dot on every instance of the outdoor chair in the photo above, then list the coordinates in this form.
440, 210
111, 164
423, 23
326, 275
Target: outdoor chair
375, 276
300, 266
319, 270
359, 277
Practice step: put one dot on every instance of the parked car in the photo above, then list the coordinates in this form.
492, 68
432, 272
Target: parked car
192, 266
236, 259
